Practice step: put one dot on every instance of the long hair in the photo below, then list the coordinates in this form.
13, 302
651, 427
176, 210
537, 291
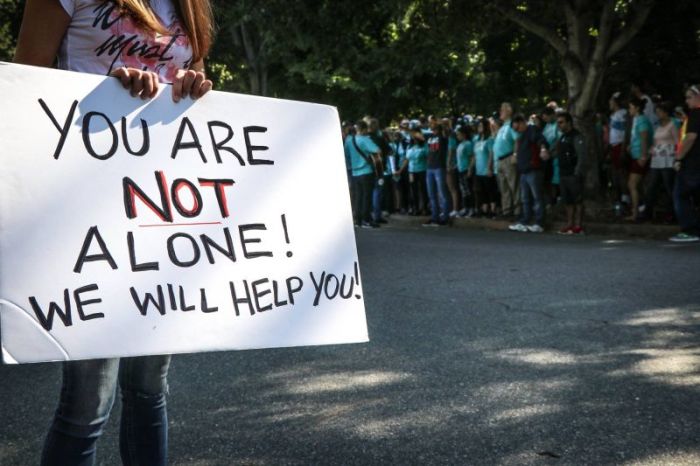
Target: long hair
196, 16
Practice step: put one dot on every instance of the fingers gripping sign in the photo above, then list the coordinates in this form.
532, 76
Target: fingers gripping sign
190, 83
139, 83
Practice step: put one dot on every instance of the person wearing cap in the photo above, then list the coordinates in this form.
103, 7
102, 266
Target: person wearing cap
687, 166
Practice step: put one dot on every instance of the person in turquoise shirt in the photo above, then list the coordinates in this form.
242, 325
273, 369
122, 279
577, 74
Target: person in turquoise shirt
503, 150
364, 156
485, 188
551, 134
465, 169
417, 163
640, 141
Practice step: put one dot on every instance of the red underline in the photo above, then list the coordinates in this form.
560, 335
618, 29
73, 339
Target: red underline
179, 224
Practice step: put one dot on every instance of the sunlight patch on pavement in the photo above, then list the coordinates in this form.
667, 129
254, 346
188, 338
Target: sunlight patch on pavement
346, 381
669, 316
521, 392
691, 457
660, 361
392, 426
538, 357
678, 367
615, 241
525, 412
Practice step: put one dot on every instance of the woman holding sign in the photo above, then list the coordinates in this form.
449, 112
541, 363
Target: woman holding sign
143, 43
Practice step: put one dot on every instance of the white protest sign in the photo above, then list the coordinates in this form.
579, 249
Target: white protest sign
132, 227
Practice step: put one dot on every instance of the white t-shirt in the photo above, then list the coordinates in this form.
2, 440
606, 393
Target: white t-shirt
618, 124
100, 39
650, 110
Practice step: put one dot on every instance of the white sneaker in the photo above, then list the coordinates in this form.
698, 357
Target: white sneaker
684, 238
463, 213
535, 228
518, 227
453, 214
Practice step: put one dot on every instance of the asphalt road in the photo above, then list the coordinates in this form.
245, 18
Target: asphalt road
486, 348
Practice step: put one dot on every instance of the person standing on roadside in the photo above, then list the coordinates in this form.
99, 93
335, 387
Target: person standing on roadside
532, 151
379, 193
687, 166
640, 142
485, 189
451, 172
365, 161
663, 153
571, 152
617, 150
551, 167
504, 153
465, 169
435, 176
416, 164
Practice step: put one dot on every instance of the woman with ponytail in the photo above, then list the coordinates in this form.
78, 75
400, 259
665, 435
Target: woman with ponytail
143, 43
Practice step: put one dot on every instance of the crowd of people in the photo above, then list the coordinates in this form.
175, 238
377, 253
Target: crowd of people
517, 167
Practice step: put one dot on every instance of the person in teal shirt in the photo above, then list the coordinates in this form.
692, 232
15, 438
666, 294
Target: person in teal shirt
485, 188
551, 134
503, 150
640, 141
417, 163
364, 156
465, 169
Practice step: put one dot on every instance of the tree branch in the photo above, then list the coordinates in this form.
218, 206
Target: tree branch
642, 9
531, 25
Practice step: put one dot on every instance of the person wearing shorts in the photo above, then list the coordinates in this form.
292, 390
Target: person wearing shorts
571, 153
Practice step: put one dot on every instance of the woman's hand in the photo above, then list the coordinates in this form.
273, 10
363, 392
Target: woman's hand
190, 83
144, 84
139, 83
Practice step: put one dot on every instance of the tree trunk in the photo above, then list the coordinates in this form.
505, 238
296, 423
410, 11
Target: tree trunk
255, 61
584, 62
582, 107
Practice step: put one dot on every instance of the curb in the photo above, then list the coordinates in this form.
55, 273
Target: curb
645, 230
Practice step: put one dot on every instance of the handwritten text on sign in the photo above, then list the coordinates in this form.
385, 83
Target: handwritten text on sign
134, 228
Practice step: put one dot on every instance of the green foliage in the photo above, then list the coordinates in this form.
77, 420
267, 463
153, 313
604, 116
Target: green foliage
395, 58
10, 19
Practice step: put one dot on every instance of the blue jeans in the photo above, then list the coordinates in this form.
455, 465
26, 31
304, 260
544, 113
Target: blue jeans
87, 396
531, 192
687, 185
435, 179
